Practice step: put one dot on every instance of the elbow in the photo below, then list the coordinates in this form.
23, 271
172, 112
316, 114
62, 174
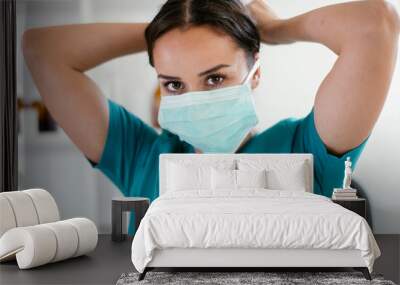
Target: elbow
391, 17
35, 44
384, 20
29, 45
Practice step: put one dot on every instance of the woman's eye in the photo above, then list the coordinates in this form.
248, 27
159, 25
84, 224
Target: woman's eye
173, 86
215, 79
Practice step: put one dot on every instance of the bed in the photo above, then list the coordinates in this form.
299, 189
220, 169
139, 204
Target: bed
247, 211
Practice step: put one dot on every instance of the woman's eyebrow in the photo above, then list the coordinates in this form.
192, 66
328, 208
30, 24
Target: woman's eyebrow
215, 68
168, 77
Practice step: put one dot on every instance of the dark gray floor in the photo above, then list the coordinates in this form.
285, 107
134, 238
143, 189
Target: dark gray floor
389, 262
110, 259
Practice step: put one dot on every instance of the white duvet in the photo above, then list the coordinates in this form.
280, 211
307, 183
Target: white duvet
251, 218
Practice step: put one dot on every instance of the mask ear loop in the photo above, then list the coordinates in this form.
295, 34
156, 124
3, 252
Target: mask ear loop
252, 71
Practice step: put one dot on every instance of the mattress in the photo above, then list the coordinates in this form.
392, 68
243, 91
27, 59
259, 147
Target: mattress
250, 218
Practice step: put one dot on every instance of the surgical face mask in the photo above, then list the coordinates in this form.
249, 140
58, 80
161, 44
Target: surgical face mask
214, 121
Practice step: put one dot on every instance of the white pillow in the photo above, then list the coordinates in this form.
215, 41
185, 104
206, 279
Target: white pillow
293, 178
281, 174
236, 179
187, 177
251, 178
185, 174
223, 179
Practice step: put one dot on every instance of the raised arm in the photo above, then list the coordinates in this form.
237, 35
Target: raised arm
364, 35
57, 58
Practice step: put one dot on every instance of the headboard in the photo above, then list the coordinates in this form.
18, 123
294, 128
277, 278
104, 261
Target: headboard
166, 157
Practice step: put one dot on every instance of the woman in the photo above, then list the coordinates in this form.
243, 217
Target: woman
207, 45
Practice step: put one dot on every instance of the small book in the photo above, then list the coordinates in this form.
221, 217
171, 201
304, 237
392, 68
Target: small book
345, 194
341, 190
344, 198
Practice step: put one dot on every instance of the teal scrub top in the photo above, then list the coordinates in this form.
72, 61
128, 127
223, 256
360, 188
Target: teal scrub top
132, 148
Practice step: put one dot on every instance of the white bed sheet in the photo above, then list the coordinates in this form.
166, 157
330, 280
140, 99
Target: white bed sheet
250, 218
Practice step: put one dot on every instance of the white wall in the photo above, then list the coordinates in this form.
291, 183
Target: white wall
291, 75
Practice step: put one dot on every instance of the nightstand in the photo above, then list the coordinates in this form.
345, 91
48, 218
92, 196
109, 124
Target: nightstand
357, 205
122, 204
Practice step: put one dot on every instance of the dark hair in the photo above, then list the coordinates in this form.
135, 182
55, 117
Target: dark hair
230, 16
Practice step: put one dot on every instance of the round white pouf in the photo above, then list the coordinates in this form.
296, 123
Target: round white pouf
6, 216
87, 232
33, 245
45, 243
67, 239
46, 206
23, 208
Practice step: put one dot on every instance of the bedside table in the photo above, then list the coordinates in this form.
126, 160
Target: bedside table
357, 205
122, 204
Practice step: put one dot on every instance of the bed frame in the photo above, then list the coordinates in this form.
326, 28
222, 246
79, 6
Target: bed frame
237, 259
248, 259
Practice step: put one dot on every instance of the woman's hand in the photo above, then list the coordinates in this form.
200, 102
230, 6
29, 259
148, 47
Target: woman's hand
267, 21
365, 36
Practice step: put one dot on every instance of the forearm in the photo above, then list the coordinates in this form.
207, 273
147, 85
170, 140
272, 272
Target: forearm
84, 46
335, 26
